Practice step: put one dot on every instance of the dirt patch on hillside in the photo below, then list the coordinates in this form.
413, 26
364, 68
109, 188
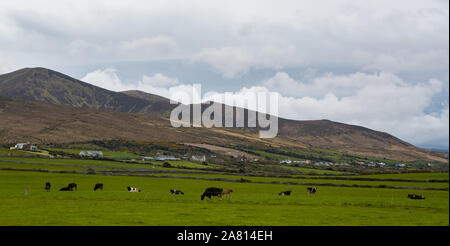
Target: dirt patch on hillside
226, 151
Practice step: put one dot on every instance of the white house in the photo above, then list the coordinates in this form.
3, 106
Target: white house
198, 158
166, 158
91, 153
24, 146
287, 161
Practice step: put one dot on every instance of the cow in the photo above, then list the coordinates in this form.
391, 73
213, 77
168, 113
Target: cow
67, 188
177, 192
212, 191
414, 196
98, 186
311, 190
133, 189
285, 193
227, 192
48, 186
73, 185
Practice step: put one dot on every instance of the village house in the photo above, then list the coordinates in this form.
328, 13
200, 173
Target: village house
198, 158
91, 153
24, 146
166, 158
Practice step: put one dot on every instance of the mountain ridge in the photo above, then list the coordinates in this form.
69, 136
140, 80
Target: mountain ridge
58, 93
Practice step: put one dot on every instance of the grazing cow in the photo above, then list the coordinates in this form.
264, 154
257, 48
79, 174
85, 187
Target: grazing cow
98, 186
177, 192
212, 191
227, 192
311, 190
414, 196
73, 186
133, 189
285, 193
48, 186
68, 188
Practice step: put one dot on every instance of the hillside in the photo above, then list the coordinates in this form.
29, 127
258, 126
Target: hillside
44, 85
44, 106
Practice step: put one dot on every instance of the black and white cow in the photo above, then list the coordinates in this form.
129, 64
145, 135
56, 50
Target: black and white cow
73, 186
285, 193
414, 196
67, 188
311, 190
133, 189
48, 186
98, 186
212, 191
177, 192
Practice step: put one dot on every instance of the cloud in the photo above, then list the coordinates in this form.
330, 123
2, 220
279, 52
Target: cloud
158, 80
157, 45
157, 84
233, 62
405, 36
107, 79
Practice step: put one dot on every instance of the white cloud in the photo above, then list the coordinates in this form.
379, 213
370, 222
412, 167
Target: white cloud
107, 79
157, 45
158, 80
157, 84
233, 62
405, 36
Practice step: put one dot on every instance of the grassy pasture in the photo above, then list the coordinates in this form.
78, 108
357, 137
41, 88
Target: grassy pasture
417, 176
251, 204
109, 164
97, 165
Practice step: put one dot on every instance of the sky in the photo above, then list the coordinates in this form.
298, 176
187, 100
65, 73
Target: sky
379, 64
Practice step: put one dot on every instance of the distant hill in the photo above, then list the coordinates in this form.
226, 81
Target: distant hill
44, 85
44, 106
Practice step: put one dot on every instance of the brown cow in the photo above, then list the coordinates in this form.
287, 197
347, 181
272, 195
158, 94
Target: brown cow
227, 192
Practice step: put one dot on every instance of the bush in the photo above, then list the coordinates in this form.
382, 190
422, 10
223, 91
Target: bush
166, 164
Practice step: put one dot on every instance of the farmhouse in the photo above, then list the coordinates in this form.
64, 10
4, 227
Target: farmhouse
91, 153
147, 158
286, 161
24, 146
166, 158
198, 158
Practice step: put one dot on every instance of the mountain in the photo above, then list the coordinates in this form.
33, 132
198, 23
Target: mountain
44, 106
44, 85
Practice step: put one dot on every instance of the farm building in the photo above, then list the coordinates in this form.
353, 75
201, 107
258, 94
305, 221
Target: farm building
91, 153
166, 158
198, 158
25, 146
286, 161
147, 158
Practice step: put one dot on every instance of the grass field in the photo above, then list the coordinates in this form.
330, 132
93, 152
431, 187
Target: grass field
251, 204
255, 199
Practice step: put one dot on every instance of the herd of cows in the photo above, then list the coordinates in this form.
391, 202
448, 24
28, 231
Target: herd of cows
209, 192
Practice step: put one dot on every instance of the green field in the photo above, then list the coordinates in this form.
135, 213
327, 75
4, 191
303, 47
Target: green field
342, 198
251, 204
